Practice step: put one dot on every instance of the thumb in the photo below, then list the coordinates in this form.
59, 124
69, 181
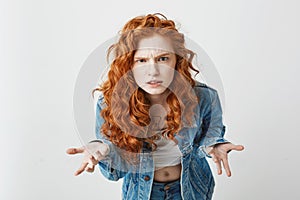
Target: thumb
238, 147
75, 150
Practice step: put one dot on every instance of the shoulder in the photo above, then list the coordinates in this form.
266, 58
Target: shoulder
203, 90
99, 100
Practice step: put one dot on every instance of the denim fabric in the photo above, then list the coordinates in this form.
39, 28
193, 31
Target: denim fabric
166, 191
196, 182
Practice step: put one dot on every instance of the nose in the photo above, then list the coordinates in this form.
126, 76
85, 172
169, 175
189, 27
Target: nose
153, 69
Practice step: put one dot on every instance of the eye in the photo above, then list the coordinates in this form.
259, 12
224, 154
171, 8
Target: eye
142, 60
163, 59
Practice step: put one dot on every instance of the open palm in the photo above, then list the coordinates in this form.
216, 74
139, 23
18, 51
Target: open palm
219, 155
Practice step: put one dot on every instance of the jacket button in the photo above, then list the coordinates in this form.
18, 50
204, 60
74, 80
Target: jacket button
147, 178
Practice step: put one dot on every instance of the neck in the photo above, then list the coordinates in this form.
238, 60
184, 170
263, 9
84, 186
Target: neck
158, 98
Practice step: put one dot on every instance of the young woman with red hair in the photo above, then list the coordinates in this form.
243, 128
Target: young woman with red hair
155, 125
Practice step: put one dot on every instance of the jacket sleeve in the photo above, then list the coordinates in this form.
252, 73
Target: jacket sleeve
213, 129
113, 167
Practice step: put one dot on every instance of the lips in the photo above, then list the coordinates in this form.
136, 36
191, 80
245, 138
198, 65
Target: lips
154, 83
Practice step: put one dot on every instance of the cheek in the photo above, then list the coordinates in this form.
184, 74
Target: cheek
168, 73
173, 62
138, 74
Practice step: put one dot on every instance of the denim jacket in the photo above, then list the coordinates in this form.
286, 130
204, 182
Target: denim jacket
196, 181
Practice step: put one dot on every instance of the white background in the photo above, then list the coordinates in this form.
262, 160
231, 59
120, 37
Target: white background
254, 45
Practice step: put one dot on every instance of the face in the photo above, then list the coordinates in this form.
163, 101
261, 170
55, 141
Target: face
154, 64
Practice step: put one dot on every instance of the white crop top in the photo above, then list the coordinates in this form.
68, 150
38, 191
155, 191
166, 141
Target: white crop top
166, 154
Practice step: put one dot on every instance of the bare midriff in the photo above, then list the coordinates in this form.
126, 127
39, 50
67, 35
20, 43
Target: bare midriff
168, 174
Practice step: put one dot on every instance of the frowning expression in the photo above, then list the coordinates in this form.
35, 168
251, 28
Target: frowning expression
154, 64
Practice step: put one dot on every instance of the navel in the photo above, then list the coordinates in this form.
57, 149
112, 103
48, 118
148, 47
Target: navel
166, 173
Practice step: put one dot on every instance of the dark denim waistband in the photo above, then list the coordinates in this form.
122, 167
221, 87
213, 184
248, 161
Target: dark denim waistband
170, 183
166, 190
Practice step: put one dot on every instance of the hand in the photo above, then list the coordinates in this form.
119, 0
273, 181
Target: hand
219, 154
93, 153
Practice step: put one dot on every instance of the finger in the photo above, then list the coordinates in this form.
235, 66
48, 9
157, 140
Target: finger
219, 167
90, 167
226, 166
214, 157
75, 150
236, 147
92, 160
81, 169
240, 148
215, 160
98, 156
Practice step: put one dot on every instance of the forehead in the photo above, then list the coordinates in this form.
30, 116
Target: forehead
150, 52
155, 44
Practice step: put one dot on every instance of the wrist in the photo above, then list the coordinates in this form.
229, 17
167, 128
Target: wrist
103, 147
208, 149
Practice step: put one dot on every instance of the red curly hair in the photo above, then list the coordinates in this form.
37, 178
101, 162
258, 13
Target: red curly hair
127, 121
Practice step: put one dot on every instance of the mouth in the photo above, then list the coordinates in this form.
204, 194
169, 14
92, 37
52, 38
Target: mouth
154, 83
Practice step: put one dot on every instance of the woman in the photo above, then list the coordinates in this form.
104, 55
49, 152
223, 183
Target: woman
155, 124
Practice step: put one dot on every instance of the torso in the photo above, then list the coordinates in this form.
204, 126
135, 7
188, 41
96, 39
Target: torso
168, 174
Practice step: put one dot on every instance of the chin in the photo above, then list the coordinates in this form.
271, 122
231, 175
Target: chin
155, 91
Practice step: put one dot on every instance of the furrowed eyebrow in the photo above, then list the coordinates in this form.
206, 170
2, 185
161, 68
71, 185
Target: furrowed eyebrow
160, 55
